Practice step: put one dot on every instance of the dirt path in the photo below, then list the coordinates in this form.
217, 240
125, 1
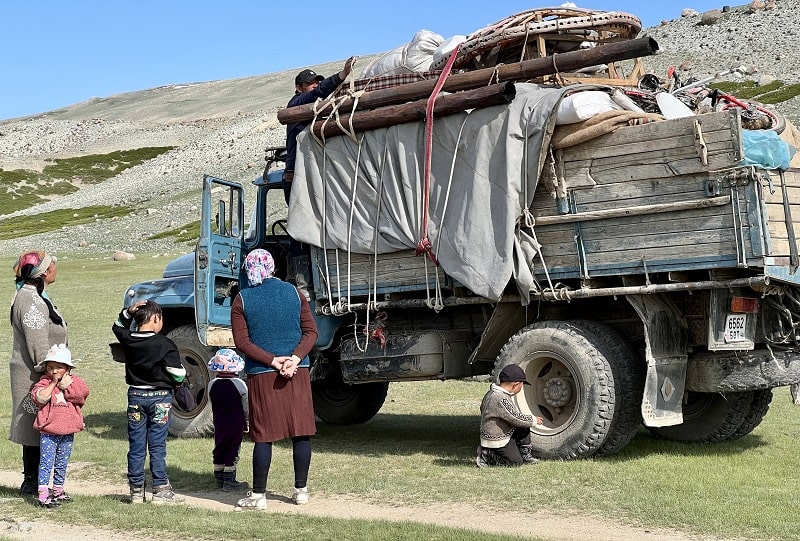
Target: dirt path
546, 525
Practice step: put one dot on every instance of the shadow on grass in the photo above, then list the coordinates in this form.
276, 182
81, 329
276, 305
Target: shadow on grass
454, 436
107, 425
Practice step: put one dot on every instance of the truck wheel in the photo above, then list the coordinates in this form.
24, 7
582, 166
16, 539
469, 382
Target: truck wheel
708, 417
339, 403
629, 376
194, 357
758, 409
573, 388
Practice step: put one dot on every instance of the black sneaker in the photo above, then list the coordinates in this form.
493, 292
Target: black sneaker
527, 454
60, 497
49, 503
485, 457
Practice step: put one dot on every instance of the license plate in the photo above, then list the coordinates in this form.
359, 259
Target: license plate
734, 327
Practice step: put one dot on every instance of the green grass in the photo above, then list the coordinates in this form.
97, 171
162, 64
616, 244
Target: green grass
95, 168
416, 452
772, 93
22, 226
188, 233
22, 188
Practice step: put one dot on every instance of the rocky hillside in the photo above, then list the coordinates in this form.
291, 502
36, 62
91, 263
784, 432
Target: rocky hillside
222, 127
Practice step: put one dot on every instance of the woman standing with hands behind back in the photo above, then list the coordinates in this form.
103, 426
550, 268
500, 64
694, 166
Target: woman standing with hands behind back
37, 326
273, 327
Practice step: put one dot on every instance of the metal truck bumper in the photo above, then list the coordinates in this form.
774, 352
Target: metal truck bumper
730, 371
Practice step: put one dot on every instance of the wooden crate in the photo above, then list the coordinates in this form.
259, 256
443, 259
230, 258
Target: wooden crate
657, 197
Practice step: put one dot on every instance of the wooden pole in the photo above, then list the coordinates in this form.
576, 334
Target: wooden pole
527, 69
446, 104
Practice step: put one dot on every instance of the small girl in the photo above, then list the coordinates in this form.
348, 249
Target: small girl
228, 395
60, 396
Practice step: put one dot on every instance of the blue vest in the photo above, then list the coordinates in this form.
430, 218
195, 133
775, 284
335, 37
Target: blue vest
272, 311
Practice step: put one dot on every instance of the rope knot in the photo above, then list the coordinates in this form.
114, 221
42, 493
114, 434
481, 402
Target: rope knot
424, 247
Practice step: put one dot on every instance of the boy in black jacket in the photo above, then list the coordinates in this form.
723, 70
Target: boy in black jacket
152, 368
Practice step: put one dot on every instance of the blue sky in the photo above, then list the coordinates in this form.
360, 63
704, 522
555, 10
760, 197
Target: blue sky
56, 53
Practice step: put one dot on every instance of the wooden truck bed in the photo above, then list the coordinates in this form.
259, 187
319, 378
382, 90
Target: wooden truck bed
665, 196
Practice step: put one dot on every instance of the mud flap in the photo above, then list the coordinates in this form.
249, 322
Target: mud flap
666, 337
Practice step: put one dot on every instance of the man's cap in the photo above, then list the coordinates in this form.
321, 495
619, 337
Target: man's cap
513, 372
307, 76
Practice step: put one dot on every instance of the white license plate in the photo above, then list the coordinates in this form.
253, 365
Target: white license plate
734, 327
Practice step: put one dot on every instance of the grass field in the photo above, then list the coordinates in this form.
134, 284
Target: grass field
417, 451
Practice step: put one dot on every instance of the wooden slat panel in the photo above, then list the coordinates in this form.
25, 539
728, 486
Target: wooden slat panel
657, 134
655, 150
777, 197
621, 256
678, 223
791, 176
670, 168
395, 270
665, 188
658, 239
775, 213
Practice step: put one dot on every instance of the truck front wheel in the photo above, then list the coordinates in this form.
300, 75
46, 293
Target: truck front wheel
574, 387
339, 403
194, 358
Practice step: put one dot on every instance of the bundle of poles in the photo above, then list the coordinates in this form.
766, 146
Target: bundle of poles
460, 91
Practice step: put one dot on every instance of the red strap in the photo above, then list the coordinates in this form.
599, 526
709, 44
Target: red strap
424, 245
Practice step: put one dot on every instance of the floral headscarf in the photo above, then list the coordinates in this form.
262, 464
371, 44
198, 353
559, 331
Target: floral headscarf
259, 266
31, 265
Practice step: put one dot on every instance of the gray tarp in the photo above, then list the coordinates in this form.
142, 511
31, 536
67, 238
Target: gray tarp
474, 210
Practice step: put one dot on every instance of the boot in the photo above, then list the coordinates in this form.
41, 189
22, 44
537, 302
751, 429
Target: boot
29, 486
229, 482
218, 479
137, 494
165, 495
30, 467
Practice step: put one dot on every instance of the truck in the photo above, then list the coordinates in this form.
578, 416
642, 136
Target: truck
646, 276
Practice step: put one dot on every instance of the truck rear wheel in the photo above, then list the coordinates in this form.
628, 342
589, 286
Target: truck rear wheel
194, 358
629, 375
574, 387
758, 409
708, 417
339, 403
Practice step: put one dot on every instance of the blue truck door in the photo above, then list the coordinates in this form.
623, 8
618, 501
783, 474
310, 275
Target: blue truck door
218, 259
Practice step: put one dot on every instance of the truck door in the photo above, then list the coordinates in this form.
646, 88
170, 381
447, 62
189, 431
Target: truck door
218, 259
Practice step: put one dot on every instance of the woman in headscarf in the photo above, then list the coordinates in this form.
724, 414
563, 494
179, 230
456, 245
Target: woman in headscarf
274, 330
37, 326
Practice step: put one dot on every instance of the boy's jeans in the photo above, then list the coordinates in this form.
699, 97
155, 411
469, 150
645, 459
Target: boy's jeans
148, 426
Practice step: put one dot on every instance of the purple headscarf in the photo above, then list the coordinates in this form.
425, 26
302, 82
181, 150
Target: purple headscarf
259, 266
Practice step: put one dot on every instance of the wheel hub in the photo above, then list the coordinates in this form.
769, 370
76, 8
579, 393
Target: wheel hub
557, 392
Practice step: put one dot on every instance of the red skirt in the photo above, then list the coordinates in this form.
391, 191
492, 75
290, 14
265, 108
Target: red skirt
280, 408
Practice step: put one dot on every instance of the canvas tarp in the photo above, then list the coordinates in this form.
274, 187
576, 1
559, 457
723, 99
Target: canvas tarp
367, 197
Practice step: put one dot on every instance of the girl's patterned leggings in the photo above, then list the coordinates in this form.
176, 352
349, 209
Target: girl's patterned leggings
55, 451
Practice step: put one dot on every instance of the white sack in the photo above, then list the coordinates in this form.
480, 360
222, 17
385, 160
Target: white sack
415, 56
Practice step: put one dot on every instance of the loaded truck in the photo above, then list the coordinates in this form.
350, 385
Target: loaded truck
645, 276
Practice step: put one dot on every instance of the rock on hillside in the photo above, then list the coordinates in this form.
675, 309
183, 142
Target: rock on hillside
222, 127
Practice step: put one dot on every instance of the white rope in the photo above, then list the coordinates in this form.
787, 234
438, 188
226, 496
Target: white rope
350, 253
438, 303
